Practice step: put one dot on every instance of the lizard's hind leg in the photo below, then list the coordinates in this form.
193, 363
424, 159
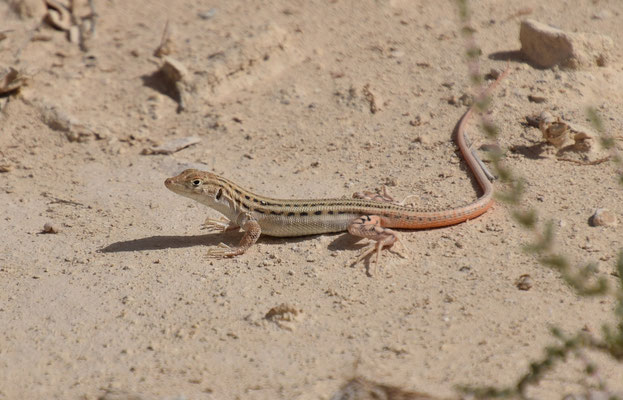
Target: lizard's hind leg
382, 196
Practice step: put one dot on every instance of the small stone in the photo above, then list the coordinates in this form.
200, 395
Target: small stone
524, 282
396, 53
207, 14
6, 168
536, 99
11, 79
174, 70
49, 228
545, 46
494, 73
603, 217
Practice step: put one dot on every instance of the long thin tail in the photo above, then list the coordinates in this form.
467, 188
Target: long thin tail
485, 201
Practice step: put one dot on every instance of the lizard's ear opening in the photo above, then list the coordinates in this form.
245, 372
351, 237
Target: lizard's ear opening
219, 194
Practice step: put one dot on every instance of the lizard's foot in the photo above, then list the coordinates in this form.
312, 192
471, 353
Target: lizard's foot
369, 226
383, 196
252, 233
378, 247
218, 225
224, 251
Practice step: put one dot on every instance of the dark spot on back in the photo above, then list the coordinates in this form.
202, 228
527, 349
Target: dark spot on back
303, 214
290, 214
318, 212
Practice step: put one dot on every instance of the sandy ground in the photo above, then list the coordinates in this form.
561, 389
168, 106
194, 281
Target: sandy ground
123, 299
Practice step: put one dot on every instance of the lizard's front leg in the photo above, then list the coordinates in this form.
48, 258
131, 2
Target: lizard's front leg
252, 232
369, 227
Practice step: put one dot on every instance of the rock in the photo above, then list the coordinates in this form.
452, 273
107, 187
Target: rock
545, 46
178, 75
207, 14
524, 282
603, 217
536, 99
49, 228
174, 70
11, 79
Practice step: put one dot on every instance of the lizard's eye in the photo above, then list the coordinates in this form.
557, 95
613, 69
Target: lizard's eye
196, 182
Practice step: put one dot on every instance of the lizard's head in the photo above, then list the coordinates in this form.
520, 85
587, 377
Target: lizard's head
197, 185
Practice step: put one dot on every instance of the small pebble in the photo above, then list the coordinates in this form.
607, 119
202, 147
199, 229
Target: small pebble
603, 217
49, 228
207, 14
494, 73
536, 99
524, 282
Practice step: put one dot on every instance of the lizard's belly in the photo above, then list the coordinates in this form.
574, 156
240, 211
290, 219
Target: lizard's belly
301, 225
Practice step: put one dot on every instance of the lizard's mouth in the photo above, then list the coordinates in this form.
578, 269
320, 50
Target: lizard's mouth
170, 184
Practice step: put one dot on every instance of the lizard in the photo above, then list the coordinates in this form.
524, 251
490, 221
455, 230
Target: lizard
366, 215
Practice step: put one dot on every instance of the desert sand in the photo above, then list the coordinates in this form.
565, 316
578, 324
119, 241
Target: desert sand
291, 99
